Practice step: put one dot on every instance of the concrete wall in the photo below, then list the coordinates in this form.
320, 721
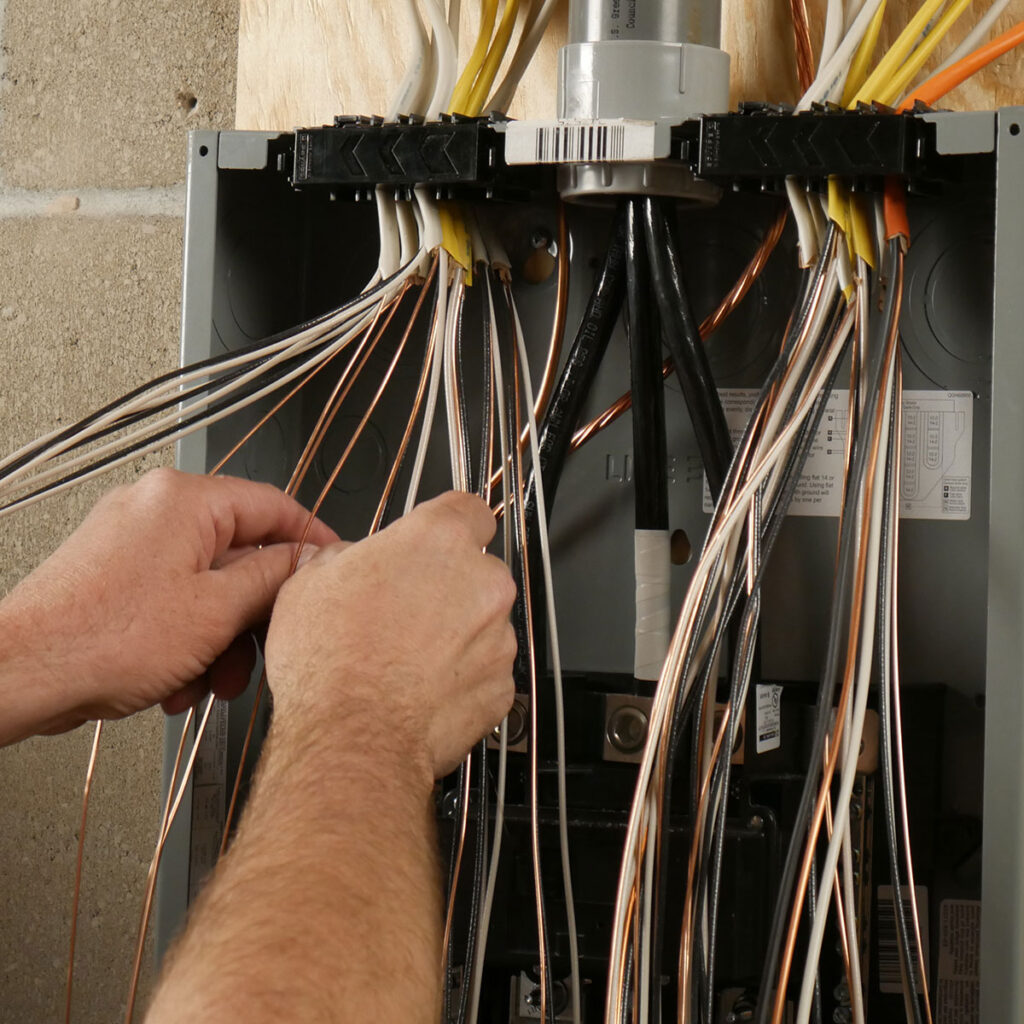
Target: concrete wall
95, 100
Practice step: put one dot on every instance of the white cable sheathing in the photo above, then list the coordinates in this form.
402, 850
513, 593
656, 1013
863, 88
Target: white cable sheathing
652, 558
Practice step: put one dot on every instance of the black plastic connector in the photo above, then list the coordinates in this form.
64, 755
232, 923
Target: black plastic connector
768, 143
455, 157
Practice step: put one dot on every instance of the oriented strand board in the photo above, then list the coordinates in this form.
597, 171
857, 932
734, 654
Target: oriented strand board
300, 62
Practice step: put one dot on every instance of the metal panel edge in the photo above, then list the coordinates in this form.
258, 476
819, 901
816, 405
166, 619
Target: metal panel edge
1002, 919
190, 455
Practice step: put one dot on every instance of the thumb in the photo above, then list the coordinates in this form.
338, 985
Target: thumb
248, 586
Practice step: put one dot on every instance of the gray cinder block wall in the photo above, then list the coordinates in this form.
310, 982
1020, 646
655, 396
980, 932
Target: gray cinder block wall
95, 99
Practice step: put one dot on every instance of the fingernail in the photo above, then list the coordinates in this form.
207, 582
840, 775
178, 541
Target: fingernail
307, 552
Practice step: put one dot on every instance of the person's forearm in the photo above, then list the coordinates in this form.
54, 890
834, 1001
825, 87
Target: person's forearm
327, 906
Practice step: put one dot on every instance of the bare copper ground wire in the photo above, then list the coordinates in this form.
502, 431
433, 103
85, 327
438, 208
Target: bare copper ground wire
802, 44
154, 864
850, 665
547, 382
357, 433
343, 387
170, 811
86, 790
897, 717
557, 340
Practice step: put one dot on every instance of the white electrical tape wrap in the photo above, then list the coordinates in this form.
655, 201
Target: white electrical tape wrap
653, 612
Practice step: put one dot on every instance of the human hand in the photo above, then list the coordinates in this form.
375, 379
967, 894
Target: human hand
144, 597
407, 630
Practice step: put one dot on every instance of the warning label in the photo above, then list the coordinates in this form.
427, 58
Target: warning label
936, 456
957, 991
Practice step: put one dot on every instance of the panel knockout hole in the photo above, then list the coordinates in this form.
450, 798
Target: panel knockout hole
1015, 128
680, 547
203, 150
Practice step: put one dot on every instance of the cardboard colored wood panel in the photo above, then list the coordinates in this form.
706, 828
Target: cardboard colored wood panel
300, 62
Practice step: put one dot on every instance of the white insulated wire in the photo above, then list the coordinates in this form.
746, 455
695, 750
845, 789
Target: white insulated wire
533, 32
832, 74
977, 34
457, 454
390, 256
835, 18
437, 360
408, 96
455, 20
408, 232
807, 236
446, 57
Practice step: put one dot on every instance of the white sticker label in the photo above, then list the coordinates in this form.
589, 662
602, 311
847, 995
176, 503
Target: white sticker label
936, 458
769, 717
584, 141
958, 989
890, 969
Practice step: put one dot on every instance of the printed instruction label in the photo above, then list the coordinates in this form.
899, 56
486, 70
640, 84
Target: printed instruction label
957, 990
936, 459
769, 717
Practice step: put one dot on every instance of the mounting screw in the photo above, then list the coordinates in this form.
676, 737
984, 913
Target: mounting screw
518, 717
627, 729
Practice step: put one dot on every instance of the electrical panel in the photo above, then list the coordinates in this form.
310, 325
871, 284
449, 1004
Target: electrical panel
271, 222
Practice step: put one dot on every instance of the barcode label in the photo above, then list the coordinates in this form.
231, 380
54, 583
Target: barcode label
560, 142
890, 972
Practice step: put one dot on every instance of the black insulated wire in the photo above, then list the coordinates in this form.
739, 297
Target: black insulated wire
581, 364
569, 396
650, 461
682, 335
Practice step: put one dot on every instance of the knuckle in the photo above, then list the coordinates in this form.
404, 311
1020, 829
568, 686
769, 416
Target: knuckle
509, 644
501, 584
159, 484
